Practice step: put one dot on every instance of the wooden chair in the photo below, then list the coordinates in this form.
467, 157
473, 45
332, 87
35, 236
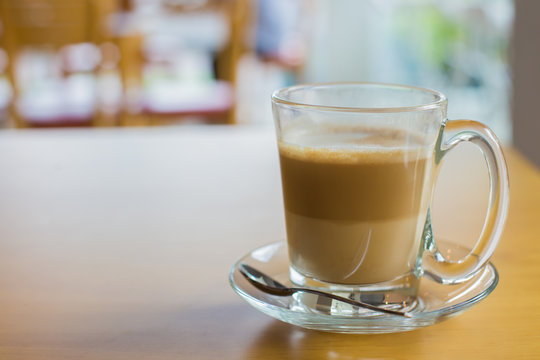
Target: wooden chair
49, 25
220, 107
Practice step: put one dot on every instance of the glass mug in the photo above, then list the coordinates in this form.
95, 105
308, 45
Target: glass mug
358, 165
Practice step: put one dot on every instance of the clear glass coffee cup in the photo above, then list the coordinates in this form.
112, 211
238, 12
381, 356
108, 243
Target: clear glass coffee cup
359, 163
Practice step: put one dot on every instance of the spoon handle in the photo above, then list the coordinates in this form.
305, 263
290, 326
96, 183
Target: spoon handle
351, 302
267, 284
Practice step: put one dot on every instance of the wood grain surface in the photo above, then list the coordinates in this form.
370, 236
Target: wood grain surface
116, 244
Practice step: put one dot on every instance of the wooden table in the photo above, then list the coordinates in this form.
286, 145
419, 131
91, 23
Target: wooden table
116, 244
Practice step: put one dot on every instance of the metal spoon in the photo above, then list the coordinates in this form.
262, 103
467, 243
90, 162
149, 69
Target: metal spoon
265, 283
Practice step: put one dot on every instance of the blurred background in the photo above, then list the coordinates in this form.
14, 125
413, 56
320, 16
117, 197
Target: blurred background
124, 63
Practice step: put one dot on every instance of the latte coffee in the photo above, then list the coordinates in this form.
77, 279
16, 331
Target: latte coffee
358, 166
355, 203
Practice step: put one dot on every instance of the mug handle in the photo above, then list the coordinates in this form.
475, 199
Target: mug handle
435, 265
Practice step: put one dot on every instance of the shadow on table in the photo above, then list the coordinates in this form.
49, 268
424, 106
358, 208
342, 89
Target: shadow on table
283, 341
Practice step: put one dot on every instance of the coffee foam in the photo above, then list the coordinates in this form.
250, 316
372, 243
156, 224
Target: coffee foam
357, 145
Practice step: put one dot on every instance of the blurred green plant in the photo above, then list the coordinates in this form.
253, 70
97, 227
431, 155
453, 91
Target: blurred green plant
430, 34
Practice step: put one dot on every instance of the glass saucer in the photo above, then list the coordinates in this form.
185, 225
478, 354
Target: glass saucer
436, 302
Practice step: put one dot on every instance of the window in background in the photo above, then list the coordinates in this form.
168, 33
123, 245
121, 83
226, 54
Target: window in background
457, 47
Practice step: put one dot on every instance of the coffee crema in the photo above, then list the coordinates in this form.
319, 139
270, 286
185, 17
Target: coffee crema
353, 203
